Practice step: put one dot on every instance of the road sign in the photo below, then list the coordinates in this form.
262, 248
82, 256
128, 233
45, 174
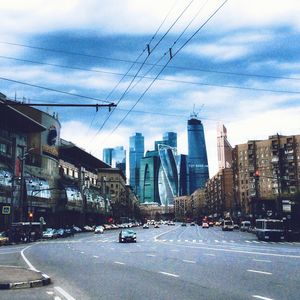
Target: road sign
5, 210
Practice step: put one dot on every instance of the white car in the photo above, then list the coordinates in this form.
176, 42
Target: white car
99, 229
145, 226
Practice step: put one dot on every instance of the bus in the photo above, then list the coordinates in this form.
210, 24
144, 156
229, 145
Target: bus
24, 232
269, 229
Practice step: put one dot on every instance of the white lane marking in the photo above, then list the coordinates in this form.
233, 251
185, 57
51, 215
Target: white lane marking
95, 256
156, 237
119, 263
171, 241
186, 240
239, 251
82, 252
200, 241
262, 260
179, 241
260, 272
247, 241
64, 293
256, 242
189, 261
216, 241
31, 267
168, 274
151, 255
49, 292
175, 250
194, 241
209, 254
261, 297
112, 248
57, 298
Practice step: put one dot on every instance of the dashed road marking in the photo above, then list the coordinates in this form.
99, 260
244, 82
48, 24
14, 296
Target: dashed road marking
260, 272
262, 260
151, 255
261, 297
209, 254
119, 263
189, 261
169, 274
96, 256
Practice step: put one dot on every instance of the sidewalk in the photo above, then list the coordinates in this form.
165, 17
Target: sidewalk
12, 277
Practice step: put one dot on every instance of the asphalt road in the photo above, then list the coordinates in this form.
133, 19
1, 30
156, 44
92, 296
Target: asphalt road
170, 262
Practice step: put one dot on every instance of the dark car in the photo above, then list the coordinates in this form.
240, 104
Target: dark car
183, 224
127, 235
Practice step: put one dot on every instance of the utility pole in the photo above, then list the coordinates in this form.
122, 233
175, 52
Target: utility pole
21, 202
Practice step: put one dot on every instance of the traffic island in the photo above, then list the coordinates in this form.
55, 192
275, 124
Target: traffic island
12, 277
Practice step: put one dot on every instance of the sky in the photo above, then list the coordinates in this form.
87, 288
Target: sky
237, 66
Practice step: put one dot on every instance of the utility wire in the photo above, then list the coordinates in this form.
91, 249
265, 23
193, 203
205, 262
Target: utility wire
53, 90
152, 82
174, 80
136, 74
132, 65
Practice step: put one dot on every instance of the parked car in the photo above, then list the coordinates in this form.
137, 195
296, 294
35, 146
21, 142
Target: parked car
236, 226
183, 224
211, 224
77, 229
88, 228
205, 225
145, 226
193, 224
3, 238
156, 225
50, 234
171, 223
99, 229
127, 235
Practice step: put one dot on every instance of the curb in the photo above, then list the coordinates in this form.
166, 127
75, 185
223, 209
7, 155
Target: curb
45, 280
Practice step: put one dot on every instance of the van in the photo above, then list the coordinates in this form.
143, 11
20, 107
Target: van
245, 225
227, 225
269, 229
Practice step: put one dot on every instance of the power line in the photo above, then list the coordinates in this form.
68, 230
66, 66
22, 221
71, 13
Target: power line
150, 52
52, 90
171, 80
149, 86
131, 61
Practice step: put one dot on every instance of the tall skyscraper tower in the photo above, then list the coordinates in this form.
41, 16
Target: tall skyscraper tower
197, 155
170, 139
107, 155
115, 157
136, 153
224, 148
119, 159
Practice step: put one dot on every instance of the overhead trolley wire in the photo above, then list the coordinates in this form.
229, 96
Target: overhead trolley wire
143, 63
152, 82
53, 90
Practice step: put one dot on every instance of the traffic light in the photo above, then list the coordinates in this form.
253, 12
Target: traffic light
30, 215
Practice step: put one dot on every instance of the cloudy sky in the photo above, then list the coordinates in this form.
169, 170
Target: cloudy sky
239, 67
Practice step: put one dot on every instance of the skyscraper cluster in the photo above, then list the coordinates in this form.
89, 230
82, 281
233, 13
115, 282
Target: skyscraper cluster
161, 174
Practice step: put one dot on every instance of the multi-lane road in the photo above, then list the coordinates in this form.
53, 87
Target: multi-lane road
170, 262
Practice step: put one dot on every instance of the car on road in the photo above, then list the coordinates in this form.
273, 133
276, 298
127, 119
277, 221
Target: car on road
205, 225
183, 224
245, 225
156, 226
227, 225
145, 226
269, 229
127, 235
211, 224
193, 224
171, 223
3, 238
99, 229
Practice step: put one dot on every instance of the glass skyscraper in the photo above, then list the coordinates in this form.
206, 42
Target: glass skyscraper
115, 157
170, 139
197, 155
136, 153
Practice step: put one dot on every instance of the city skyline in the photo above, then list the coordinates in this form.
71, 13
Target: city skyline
240, 69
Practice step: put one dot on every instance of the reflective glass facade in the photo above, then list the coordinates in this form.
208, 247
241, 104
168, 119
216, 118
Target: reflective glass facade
107, 155
197, 155
136, 153
170, 139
